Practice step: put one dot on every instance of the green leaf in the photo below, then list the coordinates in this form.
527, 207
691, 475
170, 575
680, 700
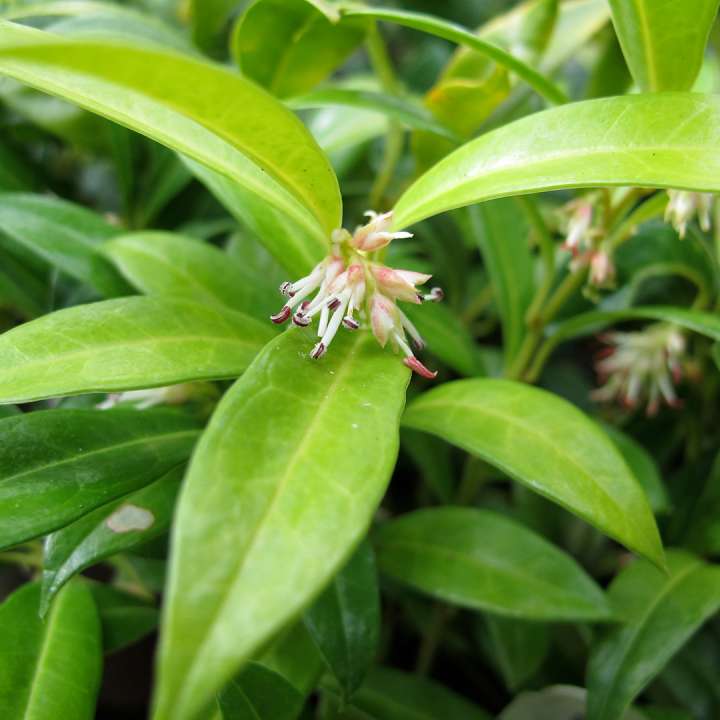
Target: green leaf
660, 612
67, 236
389, 694
125, 344
289, 472
458, 34
558, 702
344, 621
484, 561
15, 171
208, 19
57, 465
593, 321
49, 669
565, 456
655, 35
517, 648
604, 142
112, 528
124, 618
289, 242
20, 288
500, 231
289, 46
643, 467
162, 263
404, 110
270, 151
259, 693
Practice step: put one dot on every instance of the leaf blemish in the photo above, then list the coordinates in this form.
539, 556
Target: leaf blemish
129, 518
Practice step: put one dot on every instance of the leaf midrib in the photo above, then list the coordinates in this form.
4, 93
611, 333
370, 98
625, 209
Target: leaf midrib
637, 629
310, 427
162, 438
469, 560
530, 430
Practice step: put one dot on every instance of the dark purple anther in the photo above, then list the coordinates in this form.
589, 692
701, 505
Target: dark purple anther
318, 351
282, 316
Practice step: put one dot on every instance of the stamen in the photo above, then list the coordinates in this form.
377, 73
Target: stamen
318, 351
416, 366
436, 294
350, 323
286, 289
282, 316
300, 320
412, 330
333, 304
336, 319
324, 316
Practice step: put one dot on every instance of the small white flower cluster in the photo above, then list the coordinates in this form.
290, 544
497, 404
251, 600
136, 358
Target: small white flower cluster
641, 366
347, 283
684, 205
581, 242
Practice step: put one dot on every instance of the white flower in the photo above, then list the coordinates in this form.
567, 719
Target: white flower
683, 206
347, 283
641, 366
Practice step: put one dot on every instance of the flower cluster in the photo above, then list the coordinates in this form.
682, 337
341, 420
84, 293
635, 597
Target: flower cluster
641, 366
683, 206
348, 287
581, 241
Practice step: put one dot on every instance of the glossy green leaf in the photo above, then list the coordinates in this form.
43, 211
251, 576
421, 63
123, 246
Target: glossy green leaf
20, 287
67, 236
500, 231
405, 111
344, 621
49, 669
655, 35
124, 618
643, 467
57, 465
593, 321
289, 472
458, 34
161, 263
125, 344
558, 702
270, 152
565, 456
289, 46
660, 612
390, 694
258, 693
289, 242
112, 528
602, 142
517, 648
208, 20
482, 560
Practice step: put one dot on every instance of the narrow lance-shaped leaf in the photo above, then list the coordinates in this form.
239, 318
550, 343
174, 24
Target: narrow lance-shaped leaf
663, 42
500, 231
255, 141
482, 560
289, 46
66, 236
162, 263
112, 528
259, 693
660, 612
549, 445
49, 669
344, 621
458, 34
631, 140
125, 344
289, 472
57, 465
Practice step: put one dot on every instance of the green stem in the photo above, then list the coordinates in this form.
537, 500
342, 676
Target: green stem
431, 640
547, 257
21, 558
385, 73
